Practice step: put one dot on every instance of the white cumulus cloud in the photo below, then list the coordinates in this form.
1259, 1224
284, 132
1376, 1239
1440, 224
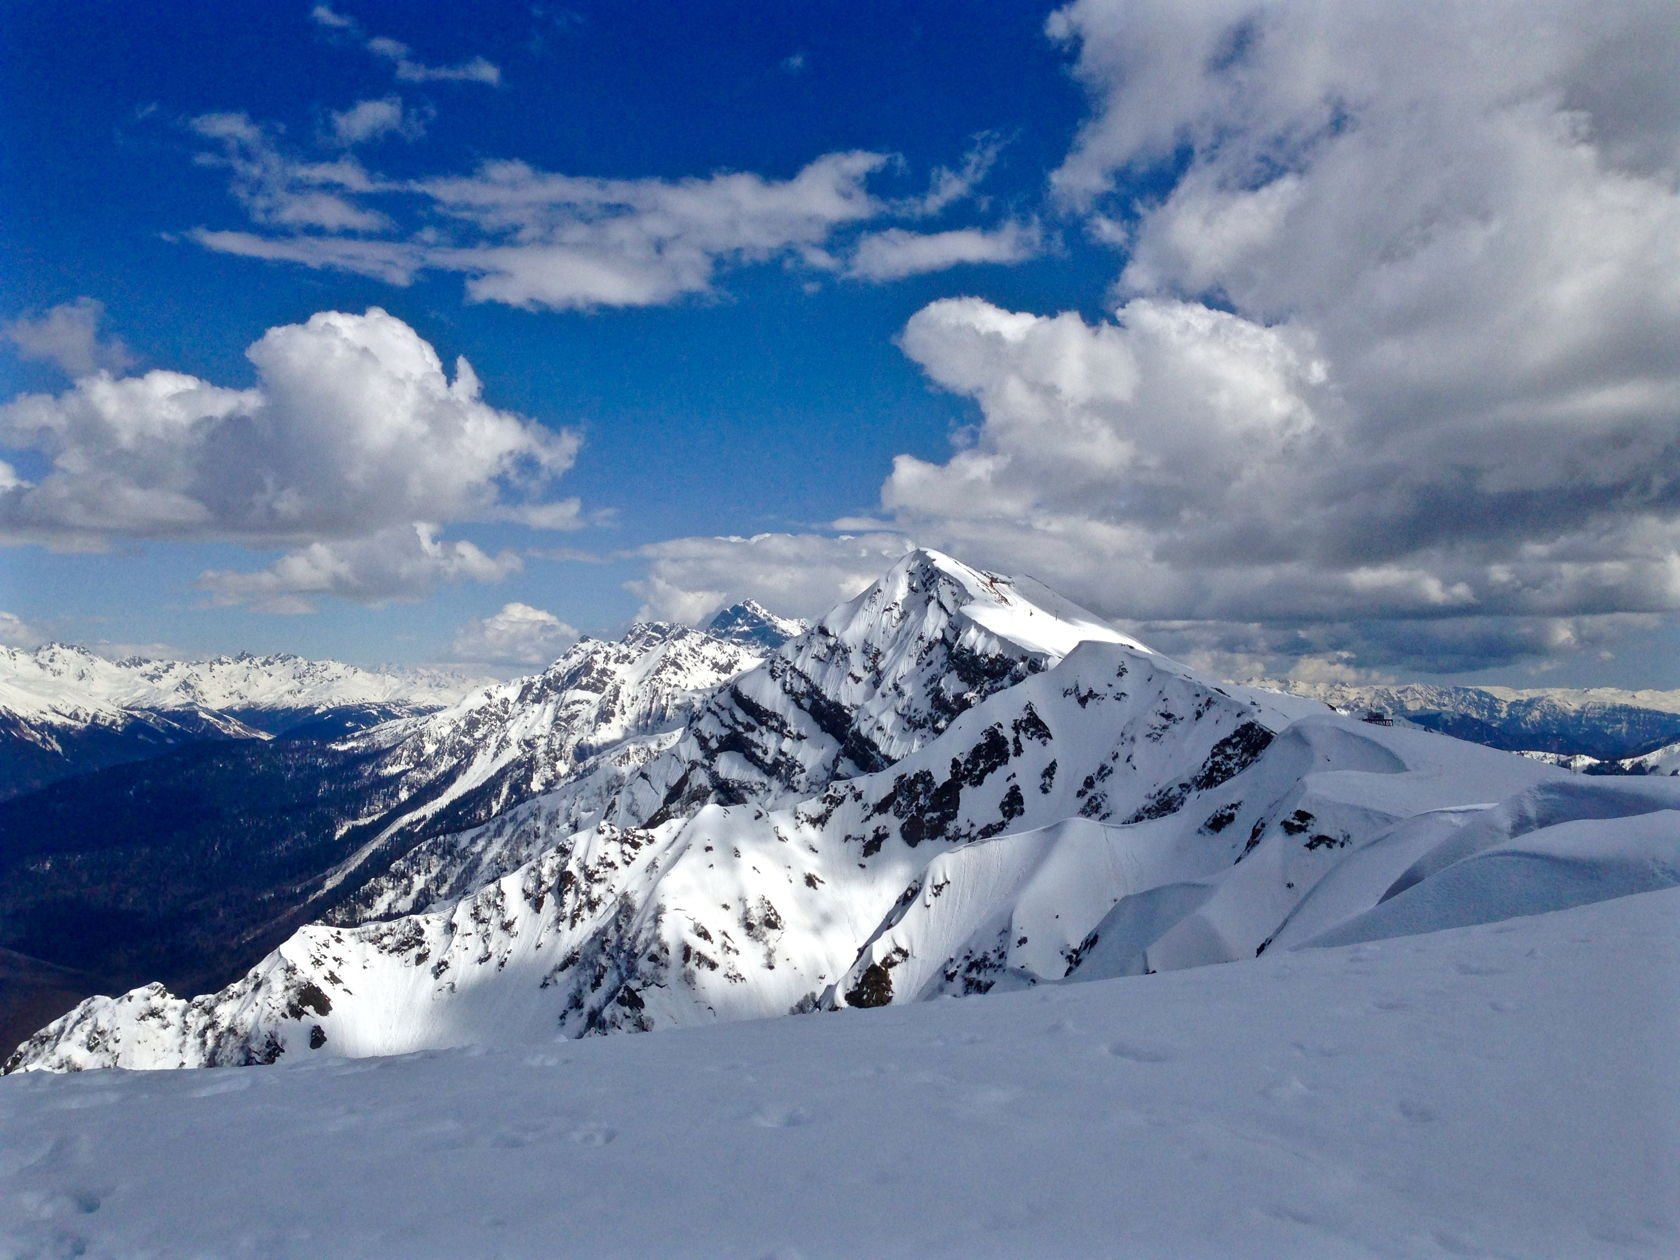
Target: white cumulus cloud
353, 427
355, 449
517, 635
402, 563
68, 335
1391, 376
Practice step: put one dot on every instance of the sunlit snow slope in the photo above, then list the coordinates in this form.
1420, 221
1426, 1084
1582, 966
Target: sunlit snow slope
1506, 1090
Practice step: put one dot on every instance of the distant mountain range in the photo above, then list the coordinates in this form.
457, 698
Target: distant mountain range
1601, 724
955, 783
65, 710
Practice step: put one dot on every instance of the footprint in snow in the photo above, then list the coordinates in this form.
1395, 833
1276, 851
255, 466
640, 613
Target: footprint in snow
1416, 1112
1329, 1050
48, 1205
1290, 1089
1477, 969
515, 1136
1133, 1053
228, 1081
593, 1134
782, 1117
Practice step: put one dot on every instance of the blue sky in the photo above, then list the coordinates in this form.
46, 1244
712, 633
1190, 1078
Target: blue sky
1297, 341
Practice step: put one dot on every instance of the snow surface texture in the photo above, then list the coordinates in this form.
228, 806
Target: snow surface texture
1506, 1090
954, 784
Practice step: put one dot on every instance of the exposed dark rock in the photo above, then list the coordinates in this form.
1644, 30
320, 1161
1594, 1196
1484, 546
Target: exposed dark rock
874, 987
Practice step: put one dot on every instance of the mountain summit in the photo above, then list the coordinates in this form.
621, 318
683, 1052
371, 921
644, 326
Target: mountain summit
751, 624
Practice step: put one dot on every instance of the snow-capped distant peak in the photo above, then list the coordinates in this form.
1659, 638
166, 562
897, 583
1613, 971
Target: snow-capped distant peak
751, 624
66, 682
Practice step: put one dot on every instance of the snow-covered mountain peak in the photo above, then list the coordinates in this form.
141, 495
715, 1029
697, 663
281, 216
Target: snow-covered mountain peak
751, 624
870, 683
926, 588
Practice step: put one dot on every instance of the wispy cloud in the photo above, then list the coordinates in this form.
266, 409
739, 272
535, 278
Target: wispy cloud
406, 68
953, 185
895, 253
371, 120
532, 238
279, 190
559, 241
394, 262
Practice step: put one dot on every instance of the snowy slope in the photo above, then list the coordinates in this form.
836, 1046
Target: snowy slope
1508, 1090
191, 868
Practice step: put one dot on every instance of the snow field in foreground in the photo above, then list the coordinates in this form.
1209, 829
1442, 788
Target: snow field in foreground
1510, 1089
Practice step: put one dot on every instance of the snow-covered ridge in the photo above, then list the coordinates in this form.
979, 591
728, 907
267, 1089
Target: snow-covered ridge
599, 711
1578, 698
872, 682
